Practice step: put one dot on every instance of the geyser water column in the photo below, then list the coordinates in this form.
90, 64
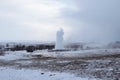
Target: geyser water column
59, 40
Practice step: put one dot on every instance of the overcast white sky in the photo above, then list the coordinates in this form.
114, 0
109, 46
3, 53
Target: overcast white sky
82, 20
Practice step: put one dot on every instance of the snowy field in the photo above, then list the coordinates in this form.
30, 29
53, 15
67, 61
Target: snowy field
10, 73
27, 74
99, 64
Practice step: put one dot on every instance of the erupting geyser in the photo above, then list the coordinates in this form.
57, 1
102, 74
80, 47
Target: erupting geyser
59, 40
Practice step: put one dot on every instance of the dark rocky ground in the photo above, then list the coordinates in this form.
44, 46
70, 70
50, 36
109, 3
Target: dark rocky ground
102, 67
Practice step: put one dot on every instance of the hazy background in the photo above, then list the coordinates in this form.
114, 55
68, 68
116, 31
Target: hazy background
82, 20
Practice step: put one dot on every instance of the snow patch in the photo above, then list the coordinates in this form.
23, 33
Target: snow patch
10, 55
27, 74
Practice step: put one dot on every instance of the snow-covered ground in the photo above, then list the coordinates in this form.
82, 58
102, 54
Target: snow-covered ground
80, 53
103, 68
13, 55
10, 55
27, 74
